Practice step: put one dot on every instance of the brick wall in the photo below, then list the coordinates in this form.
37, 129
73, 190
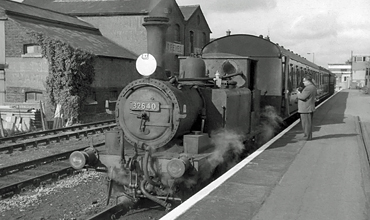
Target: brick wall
111, 75
15, 37
22, 74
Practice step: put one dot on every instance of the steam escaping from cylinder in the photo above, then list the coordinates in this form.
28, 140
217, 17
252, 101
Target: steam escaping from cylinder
229, 147
119, 175
270, 124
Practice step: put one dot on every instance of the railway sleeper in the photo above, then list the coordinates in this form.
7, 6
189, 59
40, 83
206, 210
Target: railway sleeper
10, 150
36, 182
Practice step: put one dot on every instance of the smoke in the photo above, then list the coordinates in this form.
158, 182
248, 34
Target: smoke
270, 124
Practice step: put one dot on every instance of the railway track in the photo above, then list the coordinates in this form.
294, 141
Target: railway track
16, 138
15, 178
46, 137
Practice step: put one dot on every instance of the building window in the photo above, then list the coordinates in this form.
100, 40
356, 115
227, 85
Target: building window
33, 96
91, 99
113, 95
191, 42
345, 79
31, 50
204, 39
177, 33
360, 59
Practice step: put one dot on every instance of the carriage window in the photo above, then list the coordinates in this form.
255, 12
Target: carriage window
290, 78
295, 79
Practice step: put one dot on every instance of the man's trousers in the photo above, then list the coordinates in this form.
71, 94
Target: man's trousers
306, 119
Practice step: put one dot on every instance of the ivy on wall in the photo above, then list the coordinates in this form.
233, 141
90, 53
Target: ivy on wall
71, 73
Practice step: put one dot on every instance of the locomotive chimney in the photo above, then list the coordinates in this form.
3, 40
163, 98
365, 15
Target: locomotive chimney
156, 28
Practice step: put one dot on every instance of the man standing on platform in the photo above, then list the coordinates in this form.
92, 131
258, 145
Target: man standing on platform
306, 105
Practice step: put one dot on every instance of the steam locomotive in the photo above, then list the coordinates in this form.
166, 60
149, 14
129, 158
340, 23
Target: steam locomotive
173, 133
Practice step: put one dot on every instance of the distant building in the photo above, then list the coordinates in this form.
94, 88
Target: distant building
342, 73
360, 70
354, 74
23, 69
121, 22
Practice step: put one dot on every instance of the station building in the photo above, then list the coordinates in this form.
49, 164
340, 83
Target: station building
23, 69
121, 21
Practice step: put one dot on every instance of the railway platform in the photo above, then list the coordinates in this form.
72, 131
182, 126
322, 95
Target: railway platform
291, 178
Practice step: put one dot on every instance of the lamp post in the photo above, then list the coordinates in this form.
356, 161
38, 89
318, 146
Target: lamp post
313, 57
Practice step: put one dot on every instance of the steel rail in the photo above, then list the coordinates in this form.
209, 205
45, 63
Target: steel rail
48, 139
15, 188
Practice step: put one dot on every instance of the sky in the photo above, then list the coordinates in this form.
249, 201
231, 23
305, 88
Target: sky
326, 31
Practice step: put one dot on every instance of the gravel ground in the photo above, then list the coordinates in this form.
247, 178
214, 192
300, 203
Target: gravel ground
74, 197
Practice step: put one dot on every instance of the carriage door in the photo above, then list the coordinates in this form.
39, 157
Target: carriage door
292, 86
286, 93
2, 61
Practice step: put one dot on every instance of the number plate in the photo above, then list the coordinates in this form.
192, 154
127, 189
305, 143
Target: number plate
144, 106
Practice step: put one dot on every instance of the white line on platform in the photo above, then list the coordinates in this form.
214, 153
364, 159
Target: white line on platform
181, 209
